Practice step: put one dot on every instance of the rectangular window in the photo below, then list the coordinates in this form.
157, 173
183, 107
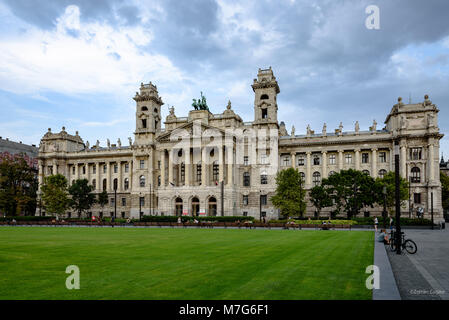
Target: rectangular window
50, 170
94, 169
246, 179
263, 179
264, 113
316, 160
123, 202
142, 164
159, 164
112, 202
365, 158
115, 168
263, 200
183, 172
105, 169
198, 172
300, 161
73, 170
245, 160
126, 167
144, 123
415, 153
142, 201
245, 200
382, 157
245, 213
263, 159
417, 198
332, 158
348, 158
286, 161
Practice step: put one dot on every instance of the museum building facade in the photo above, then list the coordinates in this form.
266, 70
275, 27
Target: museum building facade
217, 164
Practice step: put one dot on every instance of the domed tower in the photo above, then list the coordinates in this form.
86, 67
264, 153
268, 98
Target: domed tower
148, 113
265, 89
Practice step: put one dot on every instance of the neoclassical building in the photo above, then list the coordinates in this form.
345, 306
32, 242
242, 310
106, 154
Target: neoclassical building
217, 164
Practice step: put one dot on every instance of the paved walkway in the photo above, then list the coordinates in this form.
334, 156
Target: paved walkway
424, 275
388, 288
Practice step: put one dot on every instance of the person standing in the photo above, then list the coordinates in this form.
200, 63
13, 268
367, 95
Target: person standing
376, 222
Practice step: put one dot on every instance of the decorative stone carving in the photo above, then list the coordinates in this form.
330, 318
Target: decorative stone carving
309, 131
373, 127
130, 141
87, 145
282, 129
293, 131
426, 102
324, 129
108, 143
357, 127
97, 145
119, 143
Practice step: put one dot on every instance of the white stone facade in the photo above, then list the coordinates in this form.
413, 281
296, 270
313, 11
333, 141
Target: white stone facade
199, 162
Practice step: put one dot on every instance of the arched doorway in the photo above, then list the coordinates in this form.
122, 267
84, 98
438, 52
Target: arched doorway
178, 206
195, 206
212, 206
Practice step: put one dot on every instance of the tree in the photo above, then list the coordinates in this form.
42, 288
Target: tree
351, 190
82, 196
444, 190
54, 194
290, 193
320, 198
102, 199
389, 182
18, 184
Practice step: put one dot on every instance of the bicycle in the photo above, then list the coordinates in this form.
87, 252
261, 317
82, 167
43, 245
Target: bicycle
406, 244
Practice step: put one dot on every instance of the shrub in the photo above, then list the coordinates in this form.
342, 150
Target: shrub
189, 218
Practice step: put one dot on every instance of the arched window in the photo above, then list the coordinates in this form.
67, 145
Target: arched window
142, 181
316, 178
144, 108
115, 182
104, 184
94, 183
264, 97
382, 173
365, 172
416, 175
246, 179
126, 184
303, 176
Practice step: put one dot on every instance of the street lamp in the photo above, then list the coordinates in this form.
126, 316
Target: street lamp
140, 206
384, 212
115, 199
397, 197
260, 206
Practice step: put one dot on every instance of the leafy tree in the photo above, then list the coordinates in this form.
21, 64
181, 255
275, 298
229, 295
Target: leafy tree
320, 198
444, 190
82, 196
18, 185
290, 193
389, 182
102, 199
351, 190
54, 194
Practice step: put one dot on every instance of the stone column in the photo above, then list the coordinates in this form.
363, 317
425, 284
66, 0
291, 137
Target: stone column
220, 164
431, 164
374, 162
55, 167
230, 152
308, 168
340, 159
99, 184
188, 166
403, 166
324, 164
170, 167
120, 177
203, 167
109, 176
41, 172
293, 159
88, 173
357, 159
77, 173
163, 168
150, 168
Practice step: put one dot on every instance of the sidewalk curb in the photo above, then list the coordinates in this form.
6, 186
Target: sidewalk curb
388, 287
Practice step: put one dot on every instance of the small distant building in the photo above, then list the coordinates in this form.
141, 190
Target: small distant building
8, 147
444, 166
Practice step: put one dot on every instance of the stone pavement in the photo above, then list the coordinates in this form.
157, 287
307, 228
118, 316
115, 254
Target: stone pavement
425, 274
388, 288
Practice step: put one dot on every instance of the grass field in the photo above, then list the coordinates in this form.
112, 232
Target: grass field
150, 263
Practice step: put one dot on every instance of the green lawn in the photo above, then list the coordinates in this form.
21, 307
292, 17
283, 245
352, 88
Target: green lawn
151, 263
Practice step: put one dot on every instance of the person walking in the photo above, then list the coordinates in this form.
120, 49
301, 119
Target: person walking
376, 222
